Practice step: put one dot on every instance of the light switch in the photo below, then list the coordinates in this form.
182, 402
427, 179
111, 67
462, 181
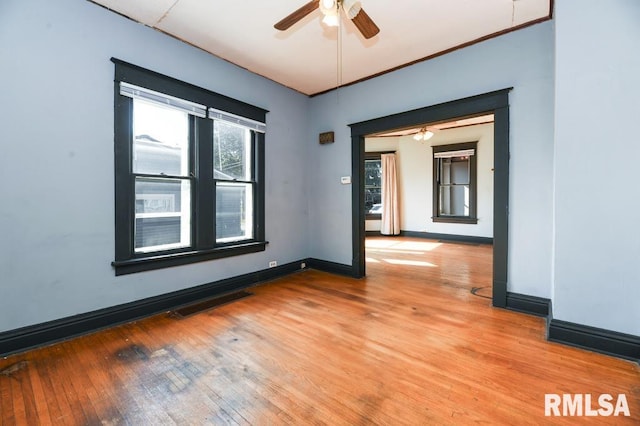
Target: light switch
345, 180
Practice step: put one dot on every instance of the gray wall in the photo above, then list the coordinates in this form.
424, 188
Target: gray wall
522, 60
597, 206
56, 166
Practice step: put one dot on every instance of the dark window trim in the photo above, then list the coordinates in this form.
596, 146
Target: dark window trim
376, 154
472, 219
143, 77
455, 219
167, 260
203, 244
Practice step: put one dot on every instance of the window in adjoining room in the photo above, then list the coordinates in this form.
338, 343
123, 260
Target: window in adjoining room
454, 183
373, 185
189, 172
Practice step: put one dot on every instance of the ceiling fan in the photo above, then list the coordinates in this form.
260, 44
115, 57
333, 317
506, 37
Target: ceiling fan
331, 11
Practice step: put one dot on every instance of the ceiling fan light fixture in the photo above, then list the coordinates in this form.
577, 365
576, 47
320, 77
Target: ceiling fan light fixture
328, 7
331, 20
328, 4
423, 135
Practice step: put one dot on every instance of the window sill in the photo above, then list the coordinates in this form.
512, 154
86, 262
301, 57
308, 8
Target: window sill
456, 219
131, 266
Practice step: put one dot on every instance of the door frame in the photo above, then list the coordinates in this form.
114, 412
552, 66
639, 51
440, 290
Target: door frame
496, 103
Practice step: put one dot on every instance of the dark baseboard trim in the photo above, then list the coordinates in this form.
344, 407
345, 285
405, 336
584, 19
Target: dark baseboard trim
379, 234
595, 339
331, 267
532, 305
42, 334
607, 342
447, 237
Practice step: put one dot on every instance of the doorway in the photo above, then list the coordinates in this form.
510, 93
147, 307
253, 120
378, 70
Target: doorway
496, 103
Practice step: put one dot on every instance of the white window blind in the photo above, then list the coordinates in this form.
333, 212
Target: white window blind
137, 92
450, 154
216, 114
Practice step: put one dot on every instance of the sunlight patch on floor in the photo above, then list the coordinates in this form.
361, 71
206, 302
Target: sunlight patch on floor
417, 245
379, 243
388, 250
400, 246
410, 262
377, 250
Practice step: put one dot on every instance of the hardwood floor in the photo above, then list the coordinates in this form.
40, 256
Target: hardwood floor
409, 344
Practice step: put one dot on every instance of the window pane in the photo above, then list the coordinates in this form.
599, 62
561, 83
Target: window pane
231, 151
373, 200
161, 140
454, 200
454, 186
373, 186
234, 212
163, 214
373, 172
460, 170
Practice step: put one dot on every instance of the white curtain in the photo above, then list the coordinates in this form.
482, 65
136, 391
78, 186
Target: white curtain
390, 220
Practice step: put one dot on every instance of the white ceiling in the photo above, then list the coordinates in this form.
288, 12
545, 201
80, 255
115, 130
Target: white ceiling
306, 56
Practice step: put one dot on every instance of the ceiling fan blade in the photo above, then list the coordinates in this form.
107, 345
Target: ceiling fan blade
365, 24
296, 16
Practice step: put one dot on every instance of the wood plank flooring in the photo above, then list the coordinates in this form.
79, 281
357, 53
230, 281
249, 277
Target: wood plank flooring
408, 345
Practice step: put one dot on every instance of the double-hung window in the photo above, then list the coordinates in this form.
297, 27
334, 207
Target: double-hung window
454, 183
189, 173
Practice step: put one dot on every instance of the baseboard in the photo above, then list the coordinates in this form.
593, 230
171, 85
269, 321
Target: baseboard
531, 305
447, 237
585, 337
595, 339
331, 267
37, 335
608, 342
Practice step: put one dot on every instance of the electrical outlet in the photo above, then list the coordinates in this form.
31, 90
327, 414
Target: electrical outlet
273, 264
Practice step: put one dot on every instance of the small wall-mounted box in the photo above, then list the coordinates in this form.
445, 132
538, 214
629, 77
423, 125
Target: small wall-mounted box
326, 137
